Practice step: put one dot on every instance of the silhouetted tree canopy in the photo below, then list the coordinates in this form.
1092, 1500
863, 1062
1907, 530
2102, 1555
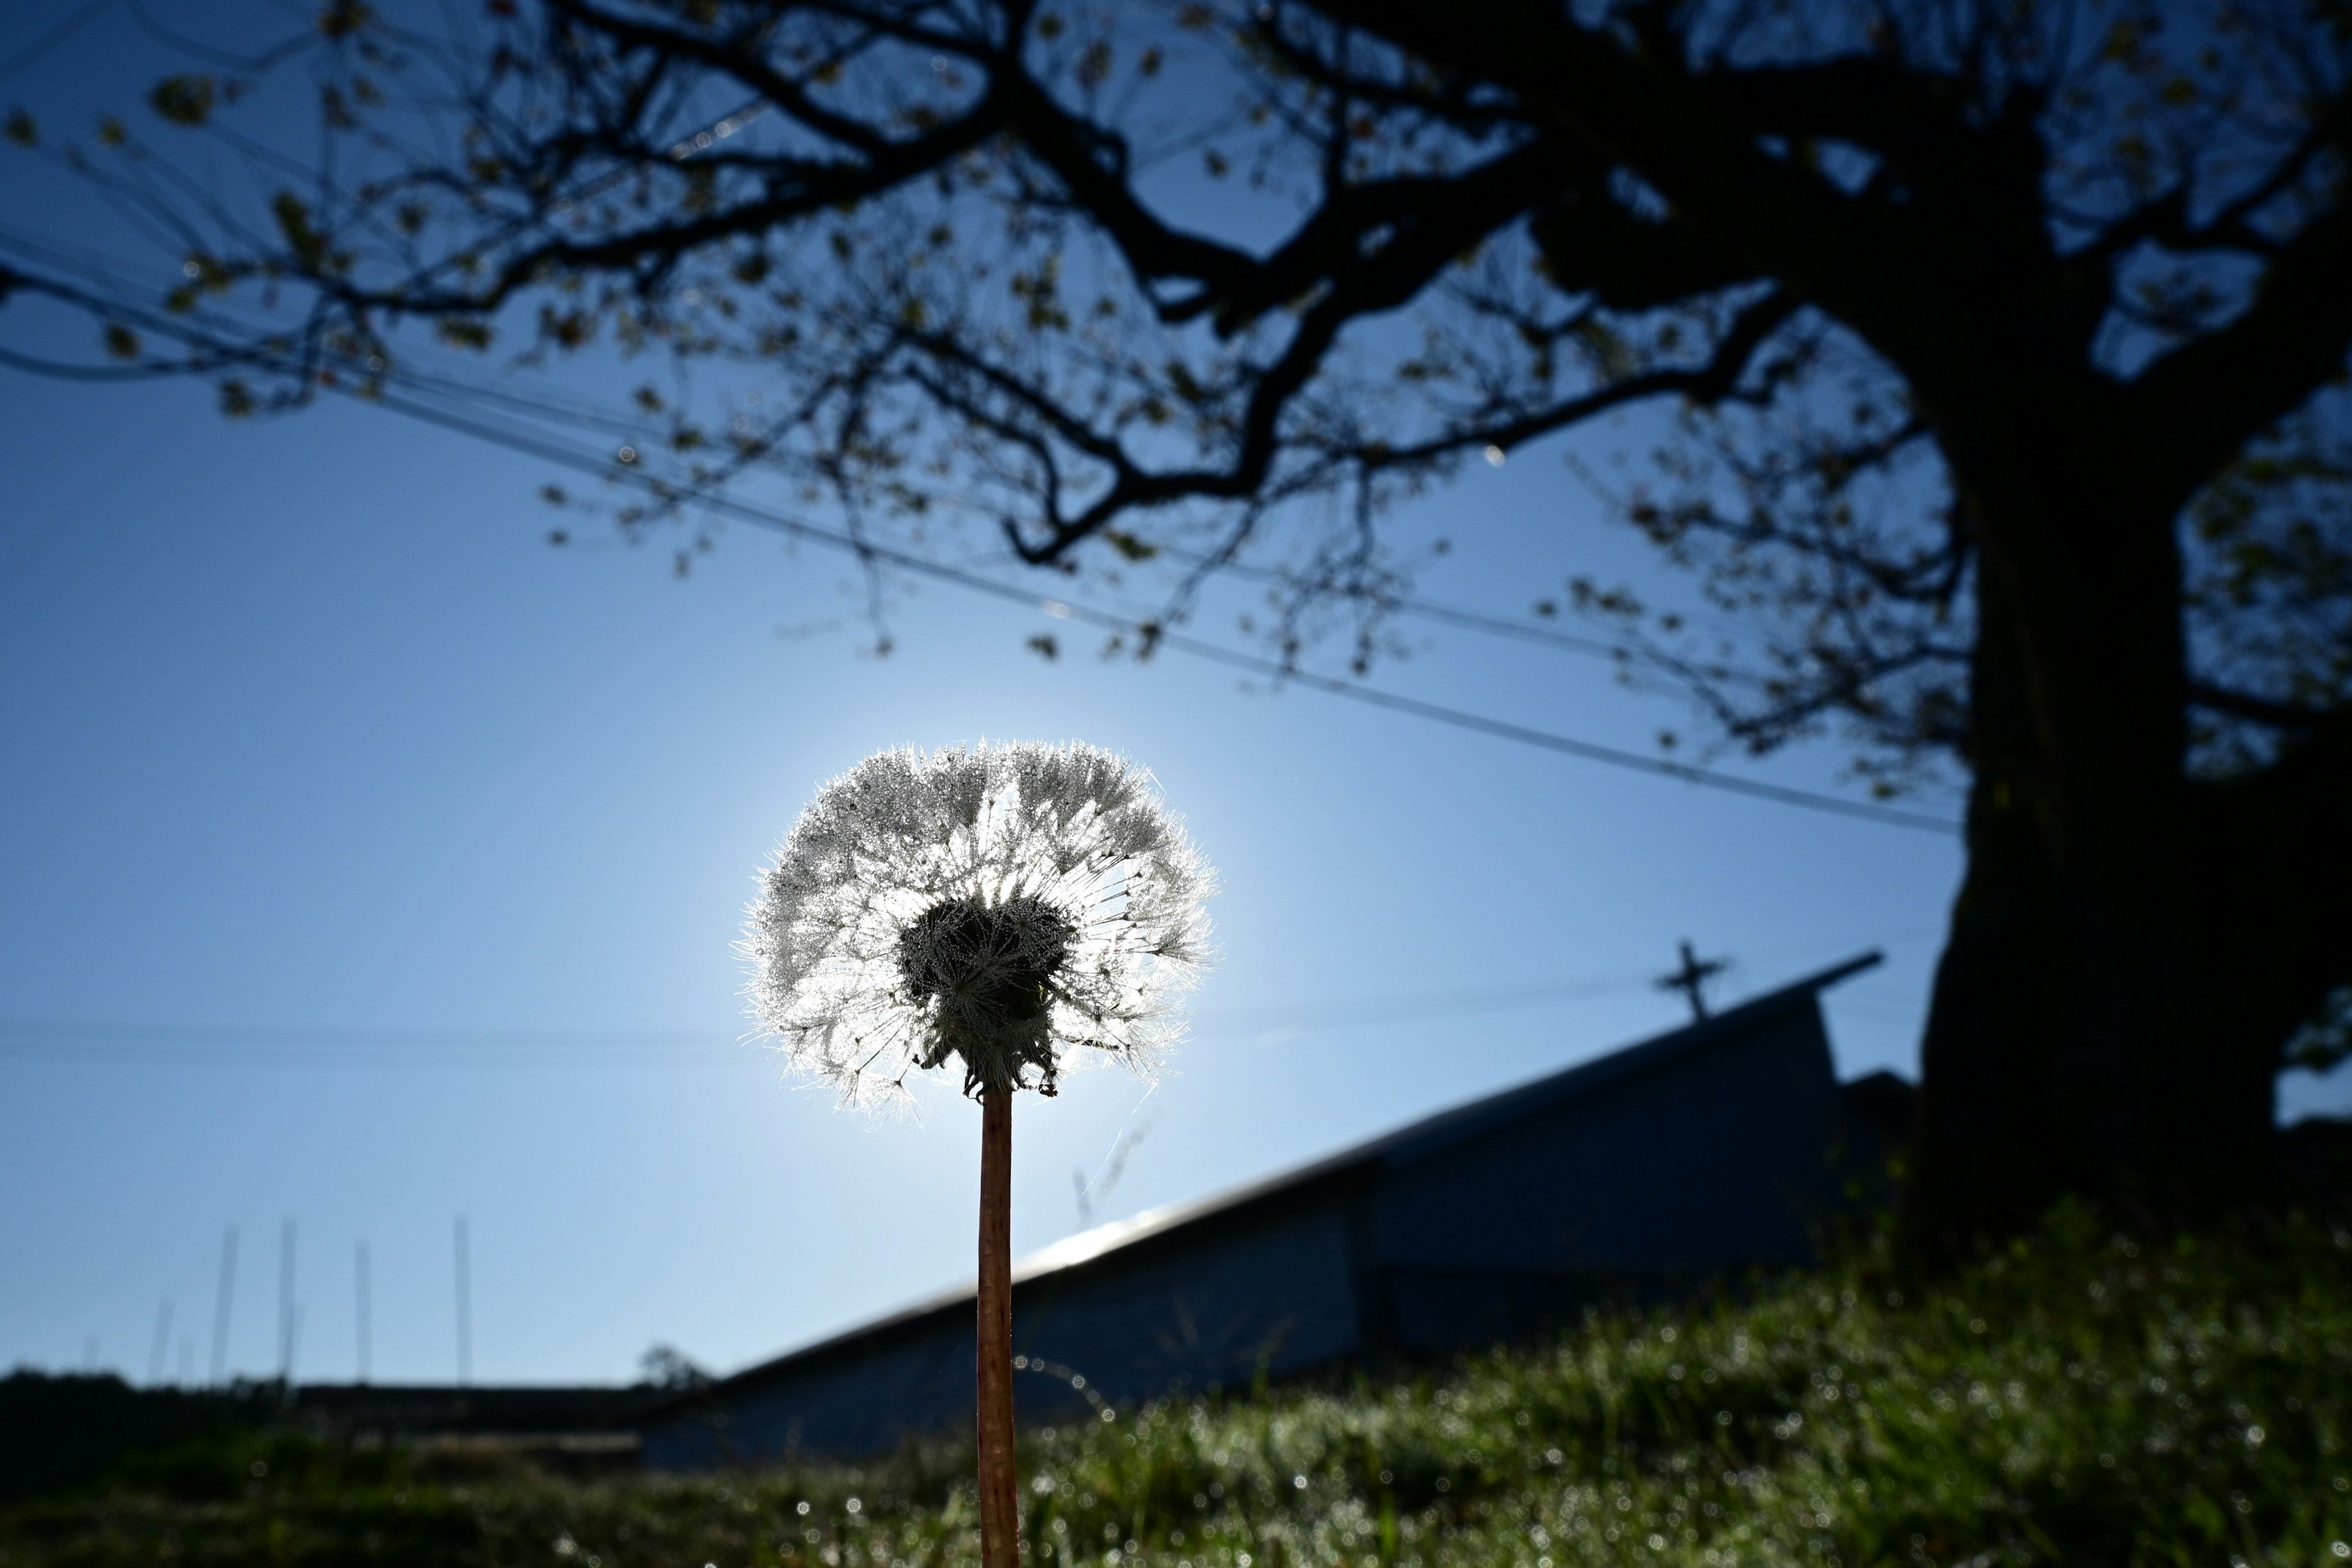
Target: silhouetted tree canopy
1988, 356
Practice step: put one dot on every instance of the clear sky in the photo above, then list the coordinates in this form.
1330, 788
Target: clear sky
368, 862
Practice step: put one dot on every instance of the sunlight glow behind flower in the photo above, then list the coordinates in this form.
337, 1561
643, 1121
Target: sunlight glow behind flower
993, 906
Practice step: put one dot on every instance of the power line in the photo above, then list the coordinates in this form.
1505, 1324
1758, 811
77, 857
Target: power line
642, 435
1266, 669
32, 52
192, 1045
550, 406
121, 1032
549, 447
210, 1045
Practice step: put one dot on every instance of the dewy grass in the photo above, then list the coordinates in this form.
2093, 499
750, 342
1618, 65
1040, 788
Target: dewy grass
2079, 1398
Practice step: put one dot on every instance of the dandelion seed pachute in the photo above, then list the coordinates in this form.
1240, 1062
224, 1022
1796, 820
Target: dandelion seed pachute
992, 907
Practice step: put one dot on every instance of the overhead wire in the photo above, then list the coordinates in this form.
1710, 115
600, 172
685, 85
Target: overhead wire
95, 1041
634, 428
688, 146
428, 391
115, 1042
1272, 670
31, 54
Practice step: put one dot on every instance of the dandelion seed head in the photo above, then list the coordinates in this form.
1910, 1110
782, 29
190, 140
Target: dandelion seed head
988, 910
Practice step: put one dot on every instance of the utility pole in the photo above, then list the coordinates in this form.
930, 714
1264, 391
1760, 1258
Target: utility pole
286, 1306
221, 1306
162, 1346
465, 1309
367, 1356
1691, 980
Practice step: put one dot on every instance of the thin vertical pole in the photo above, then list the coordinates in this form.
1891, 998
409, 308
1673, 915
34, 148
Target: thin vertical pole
163, 1347
221, 1304
1000, 1508
465, 1309
360, 1293
286, 1304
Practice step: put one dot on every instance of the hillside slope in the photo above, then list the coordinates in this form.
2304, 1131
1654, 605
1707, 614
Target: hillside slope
2082, 1399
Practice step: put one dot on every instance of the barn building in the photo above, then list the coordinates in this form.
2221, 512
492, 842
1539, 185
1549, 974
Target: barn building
1646, 1173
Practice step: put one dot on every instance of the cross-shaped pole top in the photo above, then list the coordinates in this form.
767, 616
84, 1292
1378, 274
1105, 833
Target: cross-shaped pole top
1691, 979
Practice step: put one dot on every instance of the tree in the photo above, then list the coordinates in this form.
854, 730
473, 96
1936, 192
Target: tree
1997, 352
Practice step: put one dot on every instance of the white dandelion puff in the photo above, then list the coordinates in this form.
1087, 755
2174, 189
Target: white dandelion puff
989, 910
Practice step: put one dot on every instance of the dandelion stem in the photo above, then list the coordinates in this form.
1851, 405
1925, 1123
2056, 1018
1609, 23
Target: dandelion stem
999, 1517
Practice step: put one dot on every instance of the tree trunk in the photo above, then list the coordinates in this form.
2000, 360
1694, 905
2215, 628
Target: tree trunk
2094, 1028
1000, 1507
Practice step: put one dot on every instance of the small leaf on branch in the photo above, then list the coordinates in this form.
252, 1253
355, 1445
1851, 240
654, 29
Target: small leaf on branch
342, 18
183, 100
294, 222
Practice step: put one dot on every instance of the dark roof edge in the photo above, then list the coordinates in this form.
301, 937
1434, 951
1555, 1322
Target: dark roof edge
1414, 1139
1448, 1127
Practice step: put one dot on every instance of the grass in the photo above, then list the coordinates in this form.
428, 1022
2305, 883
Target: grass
2079, 1398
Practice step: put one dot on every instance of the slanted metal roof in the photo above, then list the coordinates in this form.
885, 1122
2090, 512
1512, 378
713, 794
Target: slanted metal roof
1414, 1141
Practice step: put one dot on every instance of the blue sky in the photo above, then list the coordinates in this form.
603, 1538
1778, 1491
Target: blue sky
416, 849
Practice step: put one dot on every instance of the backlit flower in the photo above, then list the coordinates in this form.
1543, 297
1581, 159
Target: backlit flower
989, 908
